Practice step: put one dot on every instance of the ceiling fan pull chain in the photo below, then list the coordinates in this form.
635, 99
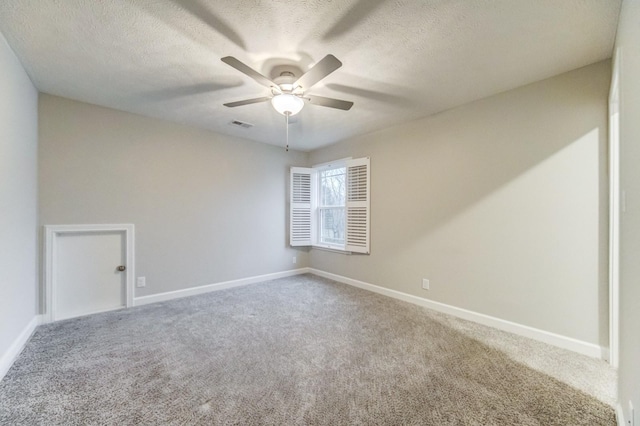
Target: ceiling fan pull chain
287, 126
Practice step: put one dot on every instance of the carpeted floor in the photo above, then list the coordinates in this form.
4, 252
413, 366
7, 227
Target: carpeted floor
295, 351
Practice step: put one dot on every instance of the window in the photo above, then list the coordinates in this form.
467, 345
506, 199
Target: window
330, 206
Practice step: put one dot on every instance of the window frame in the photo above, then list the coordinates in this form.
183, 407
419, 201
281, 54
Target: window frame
318, 207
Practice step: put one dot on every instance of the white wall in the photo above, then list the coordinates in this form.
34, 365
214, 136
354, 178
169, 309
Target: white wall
501, 203
628, 43
207, 208
18, 199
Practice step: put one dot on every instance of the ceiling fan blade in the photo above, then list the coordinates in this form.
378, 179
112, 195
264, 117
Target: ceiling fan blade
329, 102
246, 102
246, 69
326, 66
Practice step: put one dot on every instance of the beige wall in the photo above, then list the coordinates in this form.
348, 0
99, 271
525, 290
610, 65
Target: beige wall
501, 203
18, 198
628, 43
207, 208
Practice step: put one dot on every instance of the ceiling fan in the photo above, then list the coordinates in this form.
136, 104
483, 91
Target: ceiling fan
287, 93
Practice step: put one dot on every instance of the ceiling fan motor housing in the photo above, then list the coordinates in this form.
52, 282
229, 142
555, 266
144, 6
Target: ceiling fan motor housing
285, 82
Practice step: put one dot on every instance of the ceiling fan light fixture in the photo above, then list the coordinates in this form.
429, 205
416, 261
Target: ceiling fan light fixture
287, 104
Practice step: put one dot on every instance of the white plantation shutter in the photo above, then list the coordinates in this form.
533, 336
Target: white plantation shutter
300, 224
357, 205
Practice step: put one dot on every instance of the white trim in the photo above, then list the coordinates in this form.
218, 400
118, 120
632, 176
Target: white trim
98, 311
614, 209
52, 231
329, 164
10, 356
192, 291
564, 342
620, 415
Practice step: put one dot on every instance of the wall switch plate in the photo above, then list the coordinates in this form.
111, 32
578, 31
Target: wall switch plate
295, 260
425, 284
141, 282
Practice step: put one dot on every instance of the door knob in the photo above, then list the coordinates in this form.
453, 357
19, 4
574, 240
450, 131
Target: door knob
121, 268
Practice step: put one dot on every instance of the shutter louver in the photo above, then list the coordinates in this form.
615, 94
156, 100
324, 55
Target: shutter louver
358, 205
300, 226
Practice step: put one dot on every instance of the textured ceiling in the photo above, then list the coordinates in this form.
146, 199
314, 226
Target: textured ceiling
403, 59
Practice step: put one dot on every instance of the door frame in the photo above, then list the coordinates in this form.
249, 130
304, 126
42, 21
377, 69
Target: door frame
616, 208
51, 232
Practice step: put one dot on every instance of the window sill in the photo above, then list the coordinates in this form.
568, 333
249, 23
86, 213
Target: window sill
330, 249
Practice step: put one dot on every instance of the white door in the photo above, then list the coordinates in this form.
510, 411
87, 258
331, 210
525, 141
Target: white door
87, 275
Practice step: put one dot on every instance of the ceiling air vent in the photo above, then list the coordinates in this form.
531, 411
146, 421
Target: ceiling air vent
241, 124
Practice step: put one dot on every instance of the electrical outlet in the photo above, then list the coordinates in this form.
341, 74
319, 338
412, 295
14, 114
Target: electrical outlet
295, 260
141, 282
425, 284
632, 415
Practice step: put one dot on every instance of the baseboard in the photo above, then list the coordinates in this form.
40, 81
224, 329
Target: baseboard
192, 291
9, 357
620, 415
564, 342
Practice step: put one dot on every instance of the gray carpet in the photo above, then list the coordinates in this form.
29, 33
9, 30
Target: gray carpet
294, 351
